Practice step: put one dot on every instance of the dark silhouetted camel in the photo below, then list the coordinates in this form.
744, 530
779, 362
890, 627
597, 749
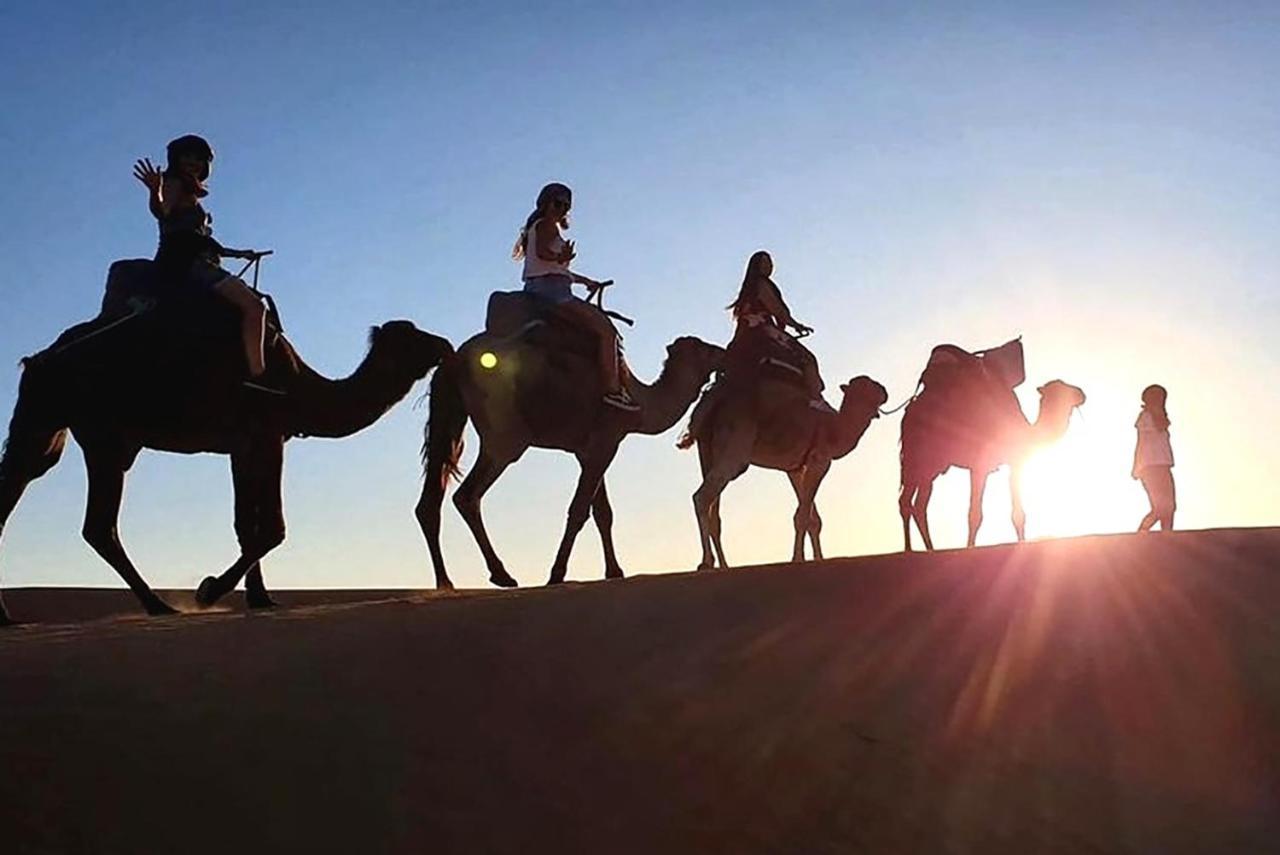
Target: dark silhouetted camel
976, 425
162, 382
539, 397
773, 425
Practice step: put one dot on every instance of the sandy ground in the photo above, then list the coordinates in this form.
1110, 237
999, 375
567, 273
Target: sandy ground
1109, 694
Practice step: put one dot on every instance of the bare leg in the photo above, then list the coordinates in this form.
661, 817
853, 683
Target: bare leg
586, 315
1015, 502
977, 487
102, 513
27, 456
602, 513
263, 529
253, 321
486, 471
594, 464
920, 513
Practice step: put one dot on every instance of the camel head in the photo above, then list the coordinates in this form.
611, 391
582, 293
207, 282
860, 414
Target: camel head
1059, 395
863, 393
408, 348
695, 355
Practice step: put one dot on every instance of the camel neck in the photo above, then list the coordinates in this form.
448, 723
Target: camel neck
338, 408
1051, 423
666, 400
852, 422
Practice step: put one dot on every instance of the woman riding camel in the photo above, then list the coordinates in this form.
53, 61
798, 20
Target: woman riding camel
546, 255
762, 319
188, 254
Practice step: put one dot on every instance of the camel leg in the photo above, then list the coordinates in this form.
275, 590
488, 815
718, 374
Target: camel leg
27, 456
805, 483
255, 588
594, 464
906, 496
977, 487
1015, 501
482, 476
713, 511
261, 528
920, 513
713, 528
106, 469
602, 513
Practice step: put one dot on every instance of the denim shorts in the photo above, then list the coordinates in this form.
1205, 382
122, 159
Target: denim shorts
554, 288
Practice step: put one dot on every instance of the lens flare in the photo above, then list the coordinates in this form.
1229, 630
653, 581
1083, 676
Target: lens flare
489, 360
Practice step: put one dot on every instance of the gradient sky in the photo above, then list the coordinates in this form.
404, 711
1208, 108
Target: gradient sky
1103, 181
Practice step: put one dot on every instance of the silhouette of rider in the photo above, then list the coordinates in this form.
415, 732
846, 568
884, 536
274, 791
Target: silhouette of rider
762, 320
546, 256
188, 253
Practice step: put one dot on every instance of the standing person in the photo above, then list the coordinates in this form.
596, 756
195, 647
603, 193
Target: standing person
546, 256
1153, 459
188, 254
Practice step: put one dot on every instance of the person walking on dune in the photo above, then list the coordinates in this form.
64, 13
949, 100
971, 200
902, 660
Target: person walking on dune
1153, 460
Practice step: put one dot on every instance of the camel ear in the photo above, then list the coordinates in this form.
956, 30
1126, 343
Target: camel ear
1040, 389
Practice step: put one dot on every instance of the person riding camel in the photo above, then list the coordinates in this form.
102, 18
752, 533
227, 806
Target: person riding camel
762, 319
546, 256
188, 255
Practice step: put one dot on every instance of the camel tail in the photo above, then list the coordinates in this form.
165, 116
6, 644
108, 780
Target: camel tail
37, 431
447, 417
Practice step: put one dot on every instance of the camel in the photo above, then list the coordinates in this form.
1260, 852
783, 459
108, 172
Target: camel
978, 427
522, 396
173, 384
775, 427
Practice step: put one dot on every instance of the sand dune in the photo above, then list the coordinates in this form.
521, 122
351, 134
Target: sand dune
1108, 694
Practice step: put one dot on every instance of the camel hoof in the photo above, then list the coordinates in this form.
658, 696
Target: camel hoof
159, 608
5, 620
260, 601
705, 566
208, 594
444, 585
503, 579
555, 581
614, 573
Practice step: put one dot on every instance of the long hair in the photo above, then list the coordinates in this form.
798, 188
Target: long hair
548, 194
750, 282
1153, 398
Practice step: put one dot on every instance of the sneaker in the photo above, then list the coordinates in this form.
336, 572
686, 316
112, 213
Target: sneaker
621, 400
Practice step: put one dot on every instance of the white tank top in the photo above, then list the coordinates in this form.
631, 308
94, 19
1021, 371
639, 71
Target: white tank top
534, 266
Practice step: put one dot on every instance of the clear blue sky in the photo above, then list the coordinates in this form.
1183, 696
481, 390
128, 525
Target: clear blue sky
1104, 181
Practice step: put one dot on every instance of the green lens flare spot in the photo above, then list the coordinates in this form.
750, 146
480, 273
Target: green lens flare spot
489, 360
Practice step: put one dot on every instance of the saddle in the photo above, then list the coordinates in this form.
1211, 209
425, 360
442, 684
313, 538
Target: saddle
952, 367
138, 298
517, 316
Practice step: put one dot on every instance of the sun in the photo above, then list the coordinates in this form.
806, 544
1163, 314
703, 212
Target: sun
1081, 484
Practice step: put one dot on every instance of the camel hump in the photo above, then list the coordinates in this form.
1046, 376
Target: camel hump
534, 321
129, 281
509, 312
949, 363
